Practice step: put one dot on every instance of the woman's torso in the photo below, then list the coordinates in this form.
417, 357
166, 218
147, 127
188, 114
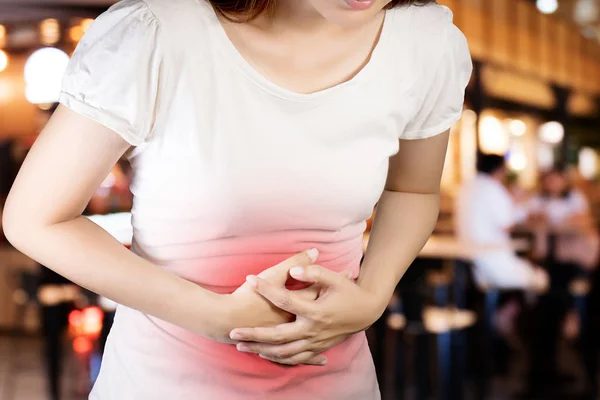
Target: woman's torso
237, 175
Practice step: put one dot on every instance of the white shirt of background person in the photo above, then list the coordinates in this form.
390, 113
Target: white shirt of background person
485, 213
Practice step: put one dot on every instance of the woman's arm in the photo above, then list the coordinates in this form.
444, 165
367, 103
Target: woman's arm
406, 215
42, 218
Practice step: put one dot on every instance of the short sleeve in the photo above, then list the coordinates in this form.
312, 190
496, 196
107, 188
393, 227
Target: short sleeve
113, 76
443, 92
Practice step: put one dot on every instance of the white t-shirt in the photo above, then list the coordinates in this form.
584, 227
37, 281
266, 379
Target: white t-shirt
233, 174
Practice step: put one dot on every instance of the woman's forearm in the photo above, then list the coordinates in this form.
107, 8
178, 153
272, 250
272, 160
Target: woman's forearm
403, 224
84, 253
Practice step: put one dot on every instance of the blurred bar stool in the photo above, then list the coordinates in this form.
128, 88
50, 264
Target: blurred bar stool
393, 321
579, 290
396, 323
443, 323
55, 301
23, 297
491, 298
440, 281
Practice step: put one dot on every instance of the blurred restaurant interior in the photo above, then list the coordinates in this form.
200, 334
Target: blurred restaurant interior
534, 99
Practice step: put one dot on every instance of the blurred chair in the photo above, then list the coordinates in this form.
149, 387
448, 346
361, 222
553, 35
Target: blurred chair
55, 296
392, 321
23, 297
448, 324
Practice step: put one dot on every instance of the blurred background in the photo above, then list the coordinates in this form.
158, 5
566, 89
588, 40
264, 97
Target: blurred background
503, 301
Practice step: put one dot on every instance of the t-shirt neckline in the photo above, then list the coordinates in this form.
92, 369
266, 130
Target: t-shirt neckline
226, 45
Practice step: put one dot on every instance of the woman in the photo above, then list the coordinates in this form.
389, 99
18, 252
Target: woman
566, 210
256, 130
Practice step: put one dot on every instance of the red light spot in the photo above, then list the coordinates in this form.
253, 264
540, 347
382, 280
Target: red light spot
75, 318
82, 345
92, 321
92, 314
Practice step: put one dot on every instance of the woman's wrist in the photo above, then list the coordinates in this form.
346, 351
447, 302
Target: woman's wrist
207, 313
380, 290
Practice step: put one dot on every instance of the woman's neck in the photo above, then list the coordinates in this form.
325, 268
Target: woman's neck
293, 15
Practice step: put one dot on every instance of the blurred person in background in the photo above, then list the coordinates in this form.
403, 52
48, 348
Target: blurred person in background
485, 214
566, 235
257, 131
561, 207
567, 242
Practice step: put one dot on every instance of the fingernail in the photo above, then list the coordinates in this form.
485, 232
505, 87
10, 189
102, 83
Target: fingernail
297, 271
252, 280
313, 254
242, 347
323, 361
235, 336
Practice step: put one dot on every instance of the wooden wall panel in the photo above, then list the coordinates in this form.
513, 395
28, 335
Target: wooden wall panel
514, 35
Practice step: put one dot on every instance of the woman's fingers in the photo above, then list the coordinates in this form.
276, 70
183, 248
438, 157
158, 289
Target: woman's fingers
293, 353
307, 358
310, 293
318, 274
281, 298
277, 351
284, 333
279, 273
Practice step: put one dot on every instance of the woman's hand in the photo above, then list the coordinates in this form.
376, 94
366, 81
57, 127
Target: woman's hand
246, 308
342, 309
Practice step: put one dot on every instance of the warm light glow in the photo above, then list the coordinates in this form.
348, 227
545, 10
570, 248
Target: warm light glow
493, 137
547, 6
3, 60
545, 156
552, 132
588, 163
43, 74
468, 144
7, 90
76, 33
469, 115
2, 36
517, 127
87, 322
517, 160
92, 321
82, 345
75, 319
86, 23
585, 12
50, 31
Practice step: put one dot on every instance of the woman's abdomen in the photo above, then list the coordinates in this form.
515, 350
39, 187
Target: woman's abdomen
222, 264
151, 359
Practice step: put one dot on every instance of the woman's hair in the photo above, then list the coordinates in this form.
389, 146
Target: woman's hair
247, 10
